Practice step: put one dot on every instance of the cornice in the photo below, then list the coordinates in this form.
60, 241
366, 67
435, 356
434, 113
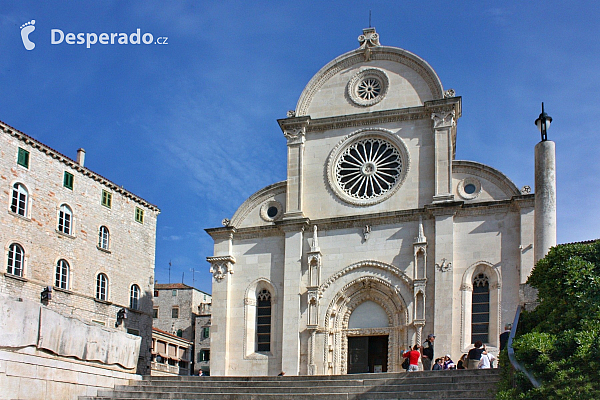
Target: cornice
374, 118
71, 163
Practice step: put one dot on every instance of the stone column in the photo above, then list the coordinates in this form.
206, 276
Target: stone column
444, 124
292, 273
545, 198
221, 267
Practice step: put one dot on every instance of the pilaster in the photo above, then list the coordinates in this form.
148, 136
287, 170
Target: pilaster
444, 126
290, 348
221, 266
443, 277
294, 129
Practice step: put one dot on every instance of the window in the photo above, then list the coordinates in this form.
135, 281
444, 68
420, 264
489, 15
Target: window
156, 293
175, 312
20, 198
204, 355
155, 313
102, 287
134, 297
480, 309
23, 158
103, 236
62, 275
65, 219
106, 199
174, 292
263, 321
206, 332
179, 333
16, 258
139, 215
68, 180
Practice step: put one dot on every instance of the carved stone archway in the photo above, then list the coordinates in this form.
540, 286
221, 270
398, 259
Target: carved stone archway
336, 321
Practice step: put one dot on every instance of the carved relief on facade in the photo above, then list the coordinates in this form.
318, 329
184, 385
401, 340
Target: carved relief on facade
443, 120
444, 266
221, 266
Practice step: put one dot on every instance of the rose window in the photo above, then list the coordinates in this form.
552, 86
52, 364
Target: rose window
368, 89
368, 168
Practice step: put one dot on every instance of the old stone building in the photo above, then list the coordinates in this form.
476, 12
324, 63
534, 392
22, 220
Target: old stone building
184, 311
77, 275
378, 237
171, 354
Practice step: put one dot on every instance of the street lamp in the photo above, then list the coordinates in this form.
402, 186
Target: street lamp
543, 123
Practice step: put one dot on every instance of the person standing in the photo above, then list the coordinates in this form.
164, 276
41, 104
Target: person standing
427, 352
475, 355
413, 357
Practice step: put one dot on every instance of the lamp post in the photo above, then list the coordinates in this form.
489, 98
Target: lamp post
543, 123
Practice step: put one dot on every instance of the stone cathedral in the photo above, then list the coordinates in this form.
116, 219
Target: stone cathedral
378, 237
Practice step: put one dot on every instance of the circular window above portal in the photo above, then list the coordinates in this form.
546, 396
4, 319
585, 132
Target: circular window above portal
271, 211
368, 87
367, 166
469, 188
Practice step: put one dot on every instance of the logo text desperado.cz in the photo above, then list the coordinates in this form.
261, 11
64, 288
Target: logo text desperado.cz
57, 36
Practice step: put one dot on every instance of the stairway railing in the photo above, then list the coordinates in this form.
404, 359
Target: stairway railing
511, 352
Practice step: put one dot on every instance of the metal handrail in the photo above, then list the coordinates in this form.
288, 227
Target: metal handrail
511, 352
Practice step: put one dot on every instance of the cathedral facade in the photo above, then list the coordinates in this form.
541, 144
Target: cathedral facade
378, 237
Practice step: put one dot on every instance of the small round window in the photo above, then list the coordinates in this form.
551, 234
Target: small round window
367, 87
469, 188
271, 211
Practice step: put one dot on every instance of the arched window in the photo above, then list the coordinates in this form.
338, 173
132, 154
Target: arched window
480, 309
101, 287
134, 297
263, 321
16, 258
20, 197
62, 274
65, 219
103, 236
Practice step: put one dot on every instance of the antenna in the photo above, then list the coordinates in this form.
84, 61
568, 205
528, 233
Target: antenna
169, 271
369, 18
182, 276
193, 271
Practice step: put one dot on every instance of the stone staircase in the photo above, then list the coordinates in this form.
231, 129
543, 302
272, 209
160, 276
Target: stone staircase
457, 384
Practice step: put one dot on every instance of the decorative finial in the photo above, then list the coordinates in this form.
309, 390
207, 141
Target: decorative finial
226, 222
369, 38
449, 93
291, 113
421, 238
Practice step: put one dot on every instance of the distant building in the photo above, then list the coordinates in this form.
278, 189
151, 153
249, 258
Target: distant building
171, 355
180, 309
77, 276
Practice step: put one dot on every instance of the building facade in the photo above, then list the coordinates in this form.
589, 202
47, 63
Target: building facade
180, 310
378, 237
170, 354
78, 265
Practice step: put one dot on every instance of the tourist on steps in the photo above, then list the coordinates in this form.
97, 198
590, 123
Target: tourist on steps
427, 352
413, 357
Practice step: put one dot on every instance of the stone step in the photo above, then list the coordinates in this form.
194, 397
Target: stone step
463, 385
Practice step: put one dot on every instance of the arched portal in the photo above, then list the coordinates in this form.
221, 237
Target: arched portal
385, 329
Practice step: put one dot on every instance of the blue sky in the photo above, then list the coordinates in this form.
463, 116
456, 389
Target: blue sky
191, 125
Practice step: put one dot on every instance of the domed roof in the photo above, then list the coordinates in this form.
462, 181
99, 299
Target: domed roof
370, 78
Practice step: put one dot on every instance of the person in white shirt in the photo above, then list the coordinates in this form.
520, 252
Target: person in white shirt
487, 360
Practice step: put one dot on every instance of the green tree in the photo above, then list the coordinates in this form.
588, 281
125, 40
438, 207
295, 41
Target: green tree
558, 340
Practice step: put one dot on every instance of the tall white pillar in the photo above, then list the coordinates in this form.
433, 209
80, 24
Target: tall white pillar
545, 198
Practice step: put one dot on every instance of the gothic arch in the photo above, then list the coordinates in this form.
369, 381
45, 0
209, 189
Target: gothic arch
494, 276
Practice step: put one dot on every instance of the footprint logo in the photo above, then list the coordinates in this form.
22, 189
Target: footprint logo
26, 29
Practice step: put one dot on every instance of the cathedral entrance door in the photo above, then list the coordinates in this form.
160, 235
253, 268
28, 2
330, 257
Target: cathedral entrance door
367, 354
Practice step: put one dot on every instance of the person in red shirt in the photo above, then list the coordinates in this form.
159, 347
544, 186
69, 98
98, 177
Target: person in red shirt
413, 357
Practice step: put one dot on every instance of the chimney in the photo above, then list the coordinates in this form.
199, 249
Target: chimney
80, 157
